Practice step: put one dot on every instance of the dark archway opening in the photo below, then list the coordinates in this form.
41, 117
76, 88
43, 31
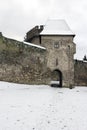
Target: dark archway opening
56, 78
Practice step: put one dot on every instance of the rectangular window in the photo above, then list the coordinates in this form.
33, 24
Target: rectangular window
56, 44
57, 62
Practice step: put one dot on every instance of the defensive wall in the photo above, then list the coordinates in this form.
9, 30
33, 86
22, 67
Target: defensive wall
22, 63
80, 72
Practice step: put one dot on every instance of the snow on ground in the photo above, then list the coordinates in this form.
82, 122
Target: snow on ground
32, 107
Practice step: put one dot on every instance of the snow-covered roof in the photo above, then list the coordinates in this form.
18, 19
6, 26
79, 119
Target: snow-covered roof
85, 61
56, 27
34, 45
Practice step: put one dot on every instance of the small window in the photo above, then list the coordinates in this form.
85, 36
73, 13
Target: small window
57, 62
69, 46
56, 44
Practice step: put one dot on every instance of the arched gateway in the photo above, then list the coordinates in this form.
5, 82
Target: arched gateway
56, 78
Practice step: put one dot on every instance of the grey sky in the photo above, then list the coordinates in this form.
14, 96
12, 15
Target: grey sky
19, 16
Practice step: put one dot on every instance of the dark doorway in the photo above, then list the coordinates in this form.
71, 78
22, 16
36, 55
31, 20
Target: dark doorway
56, 78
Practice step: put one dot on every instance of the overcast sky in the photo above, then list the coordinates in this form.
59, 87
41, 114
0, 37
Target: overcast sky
19, 16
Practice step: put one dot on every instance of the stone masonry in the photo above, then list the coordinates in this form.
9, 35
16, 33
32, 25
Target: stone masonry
22, 63
49, 57
60, 52
80, 73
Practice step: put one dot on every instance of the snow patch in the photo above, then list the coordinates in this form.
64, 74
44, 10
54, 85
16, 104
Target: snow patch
31, 44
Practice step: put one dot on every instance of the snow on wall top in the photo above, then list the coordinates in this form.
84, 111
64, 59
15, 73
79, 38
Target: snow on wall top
33, 45
29, 44
56, 27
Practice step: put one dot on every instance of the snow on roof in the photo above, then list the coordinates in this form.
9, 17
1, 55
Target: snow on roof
33, 45
56, 27
85, 61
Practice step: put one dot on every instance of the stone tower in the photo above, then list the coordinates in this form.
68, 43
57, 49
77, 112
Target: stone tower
57, 38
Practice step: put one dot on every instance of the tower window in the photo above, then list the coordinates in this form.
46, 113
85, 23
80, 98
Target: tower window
56, 44
69, 47
56, 61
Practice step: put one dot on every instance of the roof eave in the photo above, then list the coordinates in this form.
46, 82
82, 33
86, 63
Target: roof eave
58, 35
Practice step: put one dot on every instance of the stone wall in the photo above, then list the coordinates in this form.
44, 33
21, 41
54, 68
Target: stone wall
22, 63
80, 73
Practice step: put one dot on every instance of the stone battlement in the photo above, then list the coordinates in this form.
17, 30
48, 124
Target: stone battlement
34, 32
